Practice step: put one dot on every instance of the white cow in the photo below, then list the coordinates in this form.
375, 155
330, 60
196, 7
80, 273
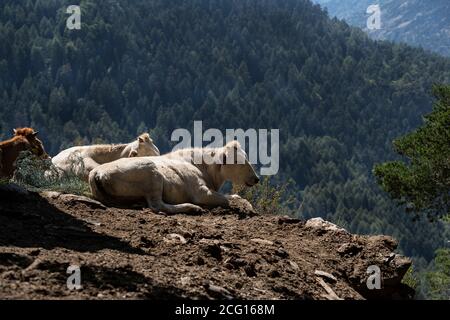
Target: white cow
83, 159
173, 182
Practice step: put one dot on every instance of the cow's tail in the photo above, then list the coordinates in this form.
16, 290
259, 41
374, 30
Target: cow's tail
97, 189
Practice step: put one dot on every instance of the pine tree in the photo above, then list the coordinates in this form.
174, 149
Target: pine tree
422, 182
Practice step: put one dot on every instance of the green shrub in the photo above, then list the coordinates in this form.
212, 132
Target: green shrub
267, 198
41, 175
438, 280
410, 278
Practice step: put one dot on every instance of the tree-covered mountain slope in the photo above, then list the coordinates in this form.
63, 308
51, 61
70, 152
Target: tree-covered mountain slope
416, 22
337, 97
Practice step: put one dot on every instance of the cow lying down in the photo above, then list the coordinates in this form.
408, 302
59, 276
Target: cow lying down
81, 160
174, 183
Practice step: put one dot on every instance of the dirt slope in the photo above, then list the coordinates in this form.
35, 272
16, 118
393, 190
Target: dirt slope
222, 254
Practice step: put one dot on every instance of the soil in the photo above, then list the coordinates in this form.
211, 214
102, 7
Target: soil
220, 254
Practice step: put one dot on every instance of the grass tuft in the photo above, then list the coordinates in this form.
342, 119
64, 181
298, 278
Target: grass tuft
39, 175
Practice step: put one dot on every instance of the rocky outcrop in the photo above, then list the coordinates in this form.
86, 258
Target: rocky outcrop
224, 254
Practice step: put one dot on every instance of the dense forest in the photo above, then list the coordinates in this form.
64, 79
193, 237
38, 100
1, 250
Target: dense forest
338, 98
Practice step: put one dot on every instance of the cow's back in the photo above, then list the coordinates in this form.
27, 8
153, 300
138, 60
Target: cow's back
64, 155
99, 153
74, 156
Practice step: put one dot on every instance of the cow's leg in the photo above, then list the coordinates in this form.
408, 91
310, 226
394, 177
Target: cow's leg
89, 165
156, 203
180, 208
160, 205
133, 153
213, 198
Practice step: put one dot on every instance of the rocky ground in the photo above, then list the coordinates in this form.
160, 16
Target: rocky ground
222, 254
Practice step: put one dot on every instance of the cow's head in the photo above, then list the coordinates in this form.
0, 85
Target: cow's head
36, 145
145, 147
236, 167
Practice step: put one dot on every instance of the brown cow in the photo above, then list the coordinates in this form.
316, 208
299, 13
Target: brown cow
25, 139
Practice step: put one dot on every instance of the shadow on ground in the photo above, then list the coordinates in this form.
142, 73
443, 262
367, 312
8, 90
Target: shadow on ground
28, 220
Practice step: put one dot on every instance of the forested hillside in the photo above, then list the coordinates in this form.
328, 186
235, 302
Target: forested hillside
419, 23
337, 97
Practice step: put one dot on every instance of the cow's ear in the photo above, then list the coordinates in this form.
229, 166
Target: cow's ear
14, 131
35, 133
141, 139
